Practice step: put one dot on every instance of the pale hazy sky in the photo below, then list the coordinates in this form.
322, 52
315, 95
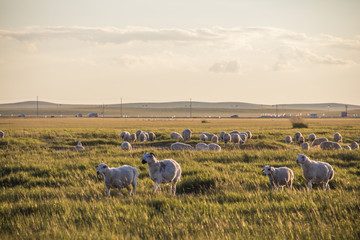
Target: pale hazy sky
256, 51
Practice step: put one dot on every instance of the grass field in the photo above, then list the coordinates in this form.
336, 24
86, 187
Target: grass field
49, 191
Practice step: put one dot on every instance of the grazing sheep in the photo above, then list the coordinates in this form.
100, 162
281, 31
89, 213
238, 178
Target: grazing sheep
138, 134
202, 146
249, 134
125, 136
79, 146
133, 137
181, 146
301, 140
142, 137
203, 137
209, 135
234, 132
221, 136
288, 140
126, 146
279, 177
305, 146
236, 139
317, 172
176, 136
186, 134
119, 178
354, 145
152, 136
227, 138
346, 147
214, 139
330, 145
337, 137
312, 137
165, 171
214, 147
318, 141
244, 137
2, 134
296, 136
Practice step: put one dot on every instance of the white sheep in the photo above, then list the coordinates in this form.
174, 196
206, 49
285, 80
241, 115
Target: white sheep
186, 134
288, 140
152, 136
296, 136
305, 146
126, 146
2, 134
318, 141
201, 147
279, 177
214, 139
337, 137
221, 136
312, 137
181, 146
138, 133
125, 136
119, 178
354, 145
176, 136
143, 137
317, 172
249, 134
330, 145
209, 135
203, 137
301, 140
214, 147
227, 138
236, 139
133, 137
165, 171
79, 146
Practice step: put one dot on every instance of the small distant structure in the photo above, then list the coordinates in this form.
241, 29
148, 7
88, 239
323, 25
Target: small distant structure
234, 116
314, 115
21, 115
344, 114
79, 115
93, 115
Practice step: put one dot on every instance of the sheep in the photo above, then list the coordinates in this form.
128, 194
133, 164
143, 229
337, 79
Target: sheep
330, 145
126, 146
152, 136
279, 177
202, 146
337, 137
138, 134
142, 137
312, 137
132, 137
314, 171
249, 134
2, 134
354, 145
214, 147
125, 136
79, 146
221, 136
288, 140
165, 171
318, 141
346, 147
203, 137
236, 139
176, 136
119, 178
214, 139
234, 132
301, 140
296, 136
244, 137
181, 146
305, 146
186, 134
209, 135
227, 138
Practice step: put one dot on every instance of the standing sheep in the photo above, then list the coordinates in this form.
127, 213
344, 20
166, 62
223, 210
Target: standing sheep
126, 146
296, 136
236, 139
288, 140
138, 134
221, 136
165, 171
301, 140
181, 146
279, 177
186, 134
249, 134
227, 138
209, 135
214, 147
203, 137
337, 137
125, 136
176, 136
133, 137
330, 145
119, 178
318, 141
305, 146
317, 172
312, 137
202, 146
214, 139
354, 145
142, 137
152, 136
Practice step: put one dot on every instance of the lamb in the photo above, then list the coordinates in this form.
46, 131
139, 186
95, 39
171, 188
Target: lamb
125, 136
214, 139
227, 138
330, 145
279, 177
2, 134
79, 146
288, 140
214, 147
318, 141
119, 178
337, 137
296, 136
126, 146
312, 137
305, 146
317, 172
221, 136
152, 136
186, 134
354, 145
133, 137
203, 137
202, 146
165, 171
181, 146
176, 136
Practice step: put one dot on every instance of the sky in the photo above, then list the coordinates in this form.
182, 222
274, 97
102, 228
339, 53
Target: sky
255, 51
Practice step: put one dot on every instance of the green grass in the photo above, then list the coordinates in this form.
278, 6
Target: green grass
49, 191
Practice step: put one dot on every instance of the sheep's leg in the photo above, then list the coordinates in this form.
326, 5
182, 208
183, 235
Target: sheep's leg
134, 187
174, 189
155, 187
107, 191
309, 184
290, 185
129, 190
326, 186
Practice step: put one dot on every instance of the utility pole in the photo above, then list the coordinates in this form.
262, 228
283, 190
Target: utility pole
190, 109
121, 114
37, 106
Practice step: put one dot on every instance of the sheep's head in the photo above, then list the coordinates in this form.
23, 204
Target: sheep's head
102, 167
268, 169
148, 157
301, 158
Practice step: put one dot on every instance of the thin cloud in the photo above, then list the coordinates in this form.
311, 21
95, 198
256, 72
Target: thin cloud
232, 66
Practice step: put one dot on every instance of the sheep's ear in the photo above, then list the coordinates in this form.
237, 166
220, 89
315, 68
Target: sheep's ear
152, 154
